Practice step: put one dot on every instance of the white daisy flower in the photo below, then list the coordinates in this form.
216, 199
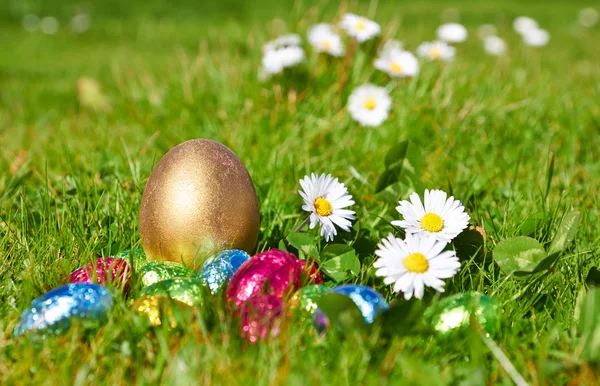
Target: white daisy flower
486, 30
397, 63
536, 37
441, 217
369, 105
360, 28
412, 264
452, 33
588, 17
522, 24
436, 51
494, 45
49, 25
326, 199
281, 53
324, 39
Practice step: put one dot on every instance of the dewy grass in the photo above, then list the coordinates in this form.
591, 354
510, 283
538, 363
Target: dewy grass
515, 138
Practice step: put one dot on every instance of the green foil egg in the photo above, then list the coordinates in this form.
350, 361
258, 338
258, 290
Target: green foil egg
156, 271
453, 315
187, 290
305, 300
134, 257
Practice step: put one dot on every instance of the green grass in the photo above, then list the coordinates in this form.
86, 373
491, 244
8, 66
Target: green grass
71, 179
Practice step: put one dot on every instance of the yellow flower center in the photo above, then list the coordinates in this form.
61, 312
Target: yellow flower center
325, 45
323, 207
369, 103
432, 222
416, 262
361, 25
395, 68
434, 53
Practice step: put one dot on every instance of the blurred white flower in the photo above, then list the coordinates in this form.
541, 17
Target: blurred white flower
281, 53
324, 39
494, 45
31, 22
327, 200
536, 37
452, 33
369, 105
49, 25
397, 63
436, 51
390, 45
588, 17
522, 24
486, 30
80, 23
360, 28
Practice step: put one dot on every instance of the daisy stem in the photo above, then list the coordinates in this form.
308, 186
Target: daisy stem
302, 225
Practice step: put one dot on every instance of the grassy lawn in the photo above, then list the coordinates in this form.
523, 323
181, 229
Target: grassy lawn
515, 138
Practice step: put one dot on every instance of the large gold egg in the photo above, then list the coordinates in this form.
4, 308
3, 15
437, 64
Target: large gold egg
199, 200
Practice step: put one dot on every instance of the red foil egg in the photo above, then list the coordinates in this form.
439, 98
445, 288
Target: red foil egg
261, 317
103, 271
274, 272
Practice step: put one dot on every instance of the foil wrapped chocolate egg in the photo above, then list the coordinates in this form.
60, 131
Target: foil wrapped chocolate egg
105, 270
134, 257
305, 300
156, 271
199, 200
370, 303
187, 291
162, 310
273, 272
55, 311
261, 317
220, 268
453, 315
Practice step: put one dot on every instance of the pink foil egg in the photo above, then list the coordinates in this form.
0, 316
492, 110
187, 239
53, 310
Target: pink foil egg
273, 272
261, 317
103, 271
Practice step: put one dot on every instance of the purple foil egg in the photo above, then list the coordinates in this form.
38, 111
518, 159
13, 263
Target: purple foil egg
273, 272
261, 317
103, 271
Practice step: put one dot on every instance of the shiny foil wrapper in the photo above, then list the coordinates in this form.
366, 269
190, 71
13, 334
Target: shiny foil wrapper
156, 271
187, 291
273, 272
305, 300
220, 268
261, 317
55, 311
162, 310
454, 314
103, 271
370, 303
134, 257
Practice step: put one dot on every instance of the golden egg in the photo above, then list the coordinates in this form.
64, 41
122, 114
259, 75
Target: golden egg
199, 200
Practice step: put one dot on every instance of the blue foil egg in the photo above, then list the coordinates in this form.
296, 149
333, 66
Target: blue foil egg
369, 302
56, 310
220, 268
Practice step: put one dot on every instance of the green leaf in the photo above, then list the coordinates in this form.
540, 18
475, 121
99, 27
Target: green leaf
403, 319
593, 277
281, 246
565, 233
589, 324
519, 254
402, 160
342, 312
300, 241
338, 260
531, 224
